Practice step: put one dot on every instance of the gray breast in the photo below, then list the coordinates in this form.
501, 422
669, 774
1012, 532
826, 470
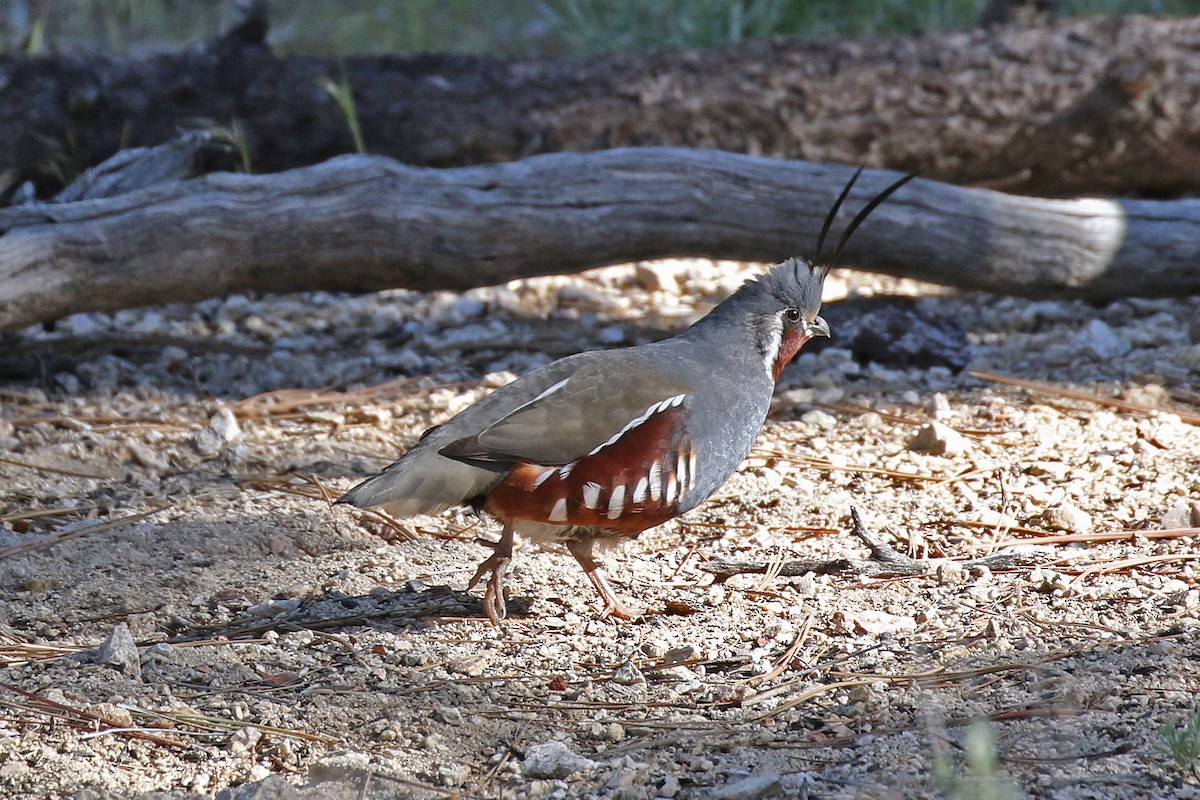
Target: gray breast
724, 417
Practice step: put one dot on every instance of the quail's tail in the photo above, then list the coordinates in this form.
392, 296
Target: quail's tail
422, 482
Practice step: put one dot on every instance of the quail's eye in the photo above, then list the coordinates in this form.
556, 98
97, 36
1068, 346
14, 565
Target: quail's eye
791, 314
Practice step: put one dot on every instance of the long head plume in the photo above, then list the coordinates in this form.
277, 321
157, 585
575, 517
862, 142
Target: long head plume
795, 284
854, 223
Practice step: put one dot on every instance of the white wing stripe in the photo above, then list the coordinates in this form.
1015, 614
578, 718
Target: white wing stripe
545, 476
616, 504
541, 396
670, 402
548, 392
672, 487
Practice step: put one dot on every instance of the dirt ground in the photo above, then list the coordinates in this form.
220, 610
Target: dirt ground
182, 613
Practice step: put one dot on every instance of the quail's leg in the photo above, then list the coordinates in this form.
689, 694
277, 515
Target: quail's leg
497, 564
582, 550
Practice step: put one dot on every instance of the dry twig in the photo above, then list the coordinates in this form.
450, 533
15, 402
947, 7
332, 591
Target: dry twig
885, 562
76, 532
1078, 394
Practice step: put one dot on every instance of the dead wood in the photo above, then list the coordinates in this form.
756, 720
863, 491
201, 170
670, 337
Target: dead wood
188, 155
884, 561
1089, 105
364, 223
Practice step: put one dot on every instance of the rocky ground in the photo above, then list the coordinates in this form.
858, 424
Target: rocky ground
183, 612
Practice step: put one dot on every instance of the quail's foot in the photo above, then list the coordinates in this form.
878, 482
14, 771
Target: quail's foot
613, 605
496, 564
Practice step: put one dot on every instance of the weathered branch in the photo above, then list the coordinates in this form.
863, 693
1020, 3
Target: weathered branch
1087, 105
186, 156
359, 223
884, 561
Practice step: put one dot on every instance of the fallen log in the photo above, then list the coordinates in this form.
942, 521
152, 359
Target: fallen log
364, 223
1090, 105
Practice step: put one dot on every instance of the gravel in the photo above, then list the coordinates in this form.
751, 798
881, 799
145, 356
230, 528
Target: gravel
262, 644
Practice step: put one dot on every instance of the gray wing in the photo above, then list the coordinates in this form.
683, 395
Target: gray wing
551, 416
573, 416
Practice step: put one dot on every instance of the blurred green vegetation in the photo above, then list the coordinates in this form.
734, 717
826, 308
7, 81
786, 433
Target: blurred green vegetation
532, 27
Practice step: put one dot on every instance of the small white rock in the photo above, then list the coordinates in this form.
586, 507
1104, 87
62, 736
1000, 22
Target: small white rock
628, 675
120, 651
819, 420
989, 516
146, 457
244, 741
472, 665
467, 307
453, 774
1182, 513
871, 622
766, 784
172, 355
795, 397
494, 380
949, 573
654, 647
771, 478
1143, 448
225, 425
939, 439
68, 382
553, 760
271, 608
1066, 517
937, 406
870, 420
222, 428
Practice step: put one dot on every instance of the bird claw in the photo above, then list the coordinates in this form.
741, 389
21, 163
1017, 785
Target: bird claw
496, 564
613, 605
493, 596
625, 610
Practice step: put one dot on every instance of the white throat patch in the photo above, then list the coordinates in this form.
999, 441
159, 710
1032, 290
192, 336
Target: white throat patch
772, 340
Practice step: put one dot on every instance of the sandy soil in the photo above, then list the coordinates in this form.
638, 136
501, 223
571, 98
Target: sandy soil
183, 612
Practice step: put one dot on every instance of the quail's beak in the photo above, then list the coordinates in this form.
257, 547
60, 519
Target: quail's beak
818, 327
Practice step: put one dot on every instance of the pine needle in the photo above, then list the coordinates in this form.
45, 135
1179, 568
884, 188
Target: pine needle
1043, 537
74, 473
1078, 394
41, 513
